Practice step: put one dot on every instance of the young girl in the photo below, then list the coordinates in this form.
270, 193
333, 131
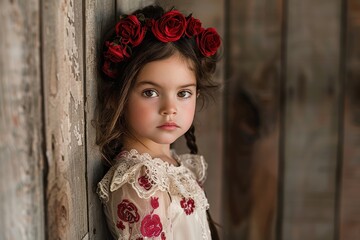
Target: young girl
156, 65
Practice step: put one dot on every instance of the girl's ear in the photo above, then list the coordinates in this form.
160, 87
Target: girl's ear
197, 93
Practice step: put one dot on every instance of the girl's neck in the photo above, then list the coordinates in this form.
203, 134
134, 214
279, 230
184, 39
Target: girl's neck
155, 150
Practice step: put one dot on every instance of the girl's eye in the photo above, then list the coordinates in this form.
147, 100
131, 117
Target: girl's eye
150, 93
184, 94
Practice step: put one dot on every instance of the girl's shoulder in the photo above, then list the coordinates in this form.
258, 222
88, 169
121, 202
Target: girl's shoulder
148, 175
195, 163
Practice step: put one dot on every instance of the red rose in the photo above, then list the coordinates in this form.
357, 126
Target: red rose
144, 182
154, 202
193, 27
151, 226
208, 42
188, 205
170, 27
130, 30
106, 68
128, 212
116, 52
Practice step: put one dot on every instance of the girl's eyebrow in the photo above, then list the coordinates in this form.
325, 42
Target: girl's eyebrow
157, 85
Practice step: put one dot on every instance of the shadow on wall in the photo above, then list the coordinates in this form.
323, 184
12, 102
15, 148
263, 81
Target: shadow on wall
252, 154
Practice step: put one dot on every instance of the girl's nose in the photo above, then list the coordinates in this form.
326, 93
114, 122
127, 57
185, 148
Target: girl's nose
168, 107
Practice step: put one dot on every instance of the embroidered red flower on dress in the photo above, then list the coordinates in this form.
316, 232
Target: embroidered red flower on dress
154, 202
188, 205
120, 225
128, 212
163, 237
151, 226
144, 182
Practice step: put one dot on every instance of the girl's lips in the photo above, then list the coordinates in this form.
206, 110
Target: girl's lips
169, 126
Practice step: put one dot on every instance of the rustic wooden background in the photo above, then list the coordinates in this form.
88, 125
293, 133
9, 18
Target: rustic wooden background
281, 138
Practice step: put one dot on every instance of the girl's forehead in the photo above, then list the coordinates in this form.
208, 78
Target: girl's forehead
175, 69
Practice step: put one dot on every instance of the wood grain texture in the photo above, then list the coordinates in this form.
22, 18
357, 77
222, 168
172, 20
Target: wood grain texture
99, 15
21, 171
64, 116
128, 6
252, 118
311, 119
350, 195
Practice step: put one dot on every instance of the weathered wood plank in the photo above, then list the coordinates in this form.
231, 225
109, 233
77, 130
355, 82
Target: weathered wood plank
311, 119
128, 6
99, 15
21, 171
350, 195
251, 118
64, 116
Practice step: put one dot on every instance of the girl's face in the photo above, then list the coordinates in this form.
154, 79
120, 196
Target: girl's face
161, 105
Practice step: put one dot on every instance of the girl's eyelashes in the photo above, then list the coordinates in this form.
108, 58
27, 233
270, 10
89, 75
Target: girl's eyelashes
150, 93
184, 94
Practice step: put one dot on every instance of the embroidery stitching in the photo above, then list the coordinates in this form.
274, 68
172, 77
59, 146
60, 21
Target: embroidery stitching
188, 205
127, 211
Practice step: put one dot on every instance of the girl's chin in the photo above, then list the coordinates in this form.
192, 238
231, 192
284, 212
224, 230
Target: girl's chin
166, 140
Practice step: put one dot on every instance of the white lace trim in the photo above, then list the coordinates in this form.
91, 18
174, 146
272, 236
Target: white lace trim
183, 180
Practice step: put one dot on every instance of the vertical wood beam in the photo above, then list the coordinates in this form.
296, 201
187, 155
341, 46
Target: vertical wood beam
128, 6
99, 15
350, 195
252, 124
64, 116
311, 119
21, 139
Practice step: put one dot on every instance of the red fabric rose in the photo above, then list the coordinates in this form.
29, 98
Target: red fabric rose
170, 27
130, 30
208, 42
144, 182
193, 27
128, 212
116, 52
154, 202
106, 68
188, 205
151, 226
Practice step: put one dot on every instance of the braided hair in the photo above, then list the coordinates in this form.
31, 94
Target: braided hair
191, 144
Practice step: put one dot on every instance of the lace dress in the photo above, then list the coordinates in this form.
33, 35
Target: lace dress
147, 198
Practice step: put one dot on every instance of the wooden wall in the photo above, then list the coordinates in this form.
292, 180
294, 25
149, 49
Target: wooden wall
21, 123
291, 120
281, 138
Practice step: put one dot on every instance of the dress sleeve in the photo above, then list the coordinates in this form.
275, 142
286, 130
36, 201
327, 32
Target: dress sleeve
134, 217
136, 206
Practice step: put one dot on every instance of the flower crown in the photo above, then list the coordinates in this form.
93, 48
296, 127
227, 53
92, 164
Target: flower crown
170, 27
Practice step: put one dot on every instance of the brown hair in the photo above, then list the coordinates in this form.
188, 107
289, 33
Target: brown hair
113, 93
